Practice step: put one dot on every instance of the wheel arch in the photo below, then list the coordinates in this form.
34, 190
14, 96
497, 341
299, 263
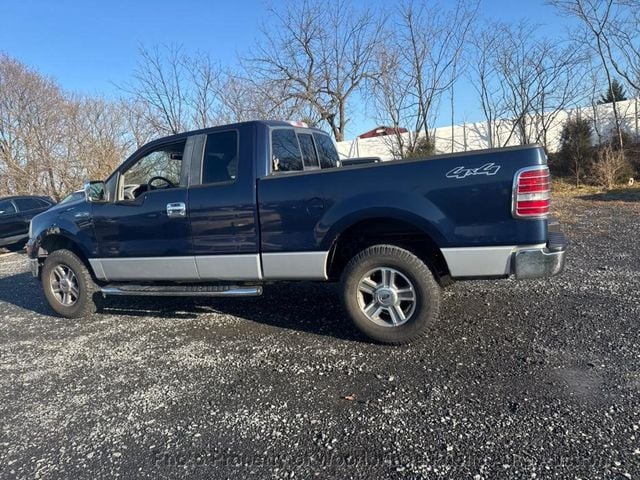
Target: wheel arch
390, 230
59, 240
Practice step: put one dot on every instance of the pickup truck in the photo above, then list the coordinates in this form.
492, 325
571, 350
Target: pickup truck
225, 210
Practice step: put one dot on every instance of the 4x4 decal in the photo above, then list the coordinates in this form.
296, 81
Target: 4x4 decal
462, 172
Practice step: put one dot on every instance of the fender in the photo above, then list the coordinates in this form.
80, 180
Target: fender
410, 208
73, 224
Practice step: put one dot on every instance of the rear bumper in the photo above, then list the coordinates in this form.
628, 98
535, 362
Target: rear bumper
523, 261
542, 262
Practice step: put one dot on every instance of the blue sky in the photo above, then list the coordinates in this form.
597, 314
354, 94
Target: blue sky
89, 46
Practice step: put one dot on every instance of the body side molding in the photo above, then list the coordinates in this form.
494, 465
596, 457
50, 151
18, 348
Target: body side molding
295, 265
151, 268
229, 267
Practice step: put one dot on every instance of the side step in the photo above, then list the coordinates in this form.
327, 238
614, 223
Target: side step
183, 291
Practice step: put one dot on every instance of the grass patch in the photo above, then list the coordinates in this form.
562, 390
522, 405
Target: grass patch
563, 189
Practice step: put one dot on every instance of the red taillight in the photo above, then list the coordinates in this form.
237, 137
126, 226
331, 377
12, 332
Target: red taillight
531, 193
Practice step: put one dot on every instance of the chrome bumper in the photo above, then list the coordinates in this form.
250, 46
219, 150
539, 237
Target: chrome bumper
542, 262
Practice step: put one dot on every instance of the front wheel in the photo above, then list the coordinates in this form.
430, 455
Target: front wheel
390, 294
68, 285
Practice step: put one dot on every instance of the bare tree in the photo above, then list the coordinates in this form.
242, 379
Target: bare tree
244, 98
158, 84
30, 129
135, 116
485, 79
204, 96
322, 56
623, 43
417, 65
523, 82
597, 18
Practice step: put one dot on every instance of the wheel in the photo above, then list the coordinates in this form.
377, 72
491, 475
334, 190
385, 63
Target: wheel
390, 294
68, 285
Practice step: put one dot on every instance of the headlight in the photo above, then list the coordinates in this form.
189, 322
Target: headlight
30, 229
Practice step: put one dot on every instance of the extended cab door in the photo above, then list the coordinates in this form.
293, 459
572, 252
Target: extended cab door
143, 230
222, 207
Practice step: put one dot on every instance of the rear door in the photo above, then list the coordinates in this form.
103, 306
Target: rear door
222, 207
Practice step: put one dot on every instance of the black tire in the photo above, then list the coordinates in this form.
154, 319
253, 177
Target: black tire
84, 304
415, 280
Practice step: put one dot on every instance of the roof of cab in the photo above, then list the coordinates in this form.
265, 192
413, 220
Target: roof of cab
268, 123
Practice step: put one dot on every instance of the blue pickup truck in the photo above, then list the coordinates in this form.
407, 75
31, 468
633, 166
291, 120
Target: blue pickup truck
226, 210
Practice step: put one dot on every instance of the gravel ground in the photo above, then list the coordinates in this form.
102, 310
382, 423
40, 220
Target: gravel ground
537, 379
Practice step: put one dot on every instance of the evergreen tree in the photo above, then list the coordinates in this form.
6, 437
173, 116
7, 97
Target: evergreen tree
576, 150
616, 94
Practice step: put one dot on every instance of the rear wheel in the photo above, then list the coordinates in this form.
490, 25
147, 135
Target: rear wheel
68, 285
390, 294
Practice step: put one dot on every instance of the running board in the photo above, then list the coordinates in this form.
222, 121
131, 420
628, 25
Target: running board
182, 291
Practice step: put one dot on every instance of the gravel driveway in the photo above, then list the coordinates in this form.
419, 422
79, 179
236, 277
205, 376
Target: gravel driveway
537, 379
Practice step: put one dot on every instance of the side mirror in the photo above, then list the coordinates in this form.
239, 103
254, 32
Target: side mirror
94, 191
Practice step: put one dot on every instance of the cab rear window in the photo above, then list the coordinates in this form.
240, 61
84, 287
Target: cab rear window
293, 150
326, 151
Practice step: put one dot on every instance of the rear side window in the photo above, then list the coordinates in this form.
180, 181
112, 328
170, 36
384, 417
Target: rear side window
285, 151
326, 151
220, 162
309, 155
26, 204
6, 208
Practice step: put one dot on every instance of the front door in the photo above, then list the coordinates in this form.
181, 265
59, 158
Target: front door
12, 225
143, 233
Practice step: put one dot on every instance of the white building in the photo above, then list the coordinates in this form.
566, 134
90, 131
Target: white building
474, 136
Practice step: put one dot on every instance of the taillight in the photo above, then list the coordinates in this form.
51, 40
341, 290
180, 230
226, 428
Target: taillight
531, 193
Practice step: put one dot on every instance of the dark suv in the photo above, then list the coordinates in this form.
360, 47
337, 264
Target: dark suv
15, 215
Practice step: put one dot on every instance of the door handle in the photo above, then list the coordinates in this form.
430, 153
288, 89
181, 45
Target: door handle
175, 210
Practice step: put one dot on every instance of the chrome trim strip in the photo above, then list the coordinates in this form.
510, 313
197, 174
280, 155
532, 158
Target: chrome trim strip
231, 292
98, 271
152, 268
229, 267
275, 266
295, 265
482, 261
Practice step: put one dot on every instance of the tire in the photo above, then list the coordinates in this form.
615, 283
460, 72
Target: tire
390, 294
79, 302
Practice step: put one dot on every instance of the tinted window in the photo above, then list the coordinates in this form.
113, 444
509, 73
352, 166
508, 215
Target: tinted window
285, 152
73, 197
220, 163
309, 155
6, 208
326, 151
25, 204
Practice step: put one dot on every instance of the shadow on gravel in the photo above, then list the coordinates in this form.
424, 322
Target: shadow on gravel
617, 195
306, 307
23, 291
